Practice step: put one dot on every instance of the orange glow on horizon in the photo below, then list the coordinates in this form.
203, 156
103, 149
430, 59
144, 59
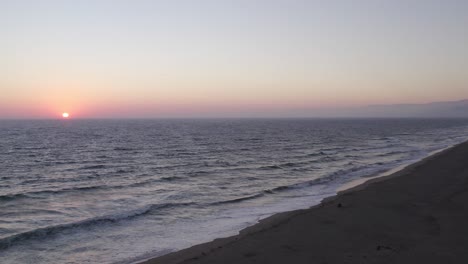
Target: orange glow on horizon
65, 115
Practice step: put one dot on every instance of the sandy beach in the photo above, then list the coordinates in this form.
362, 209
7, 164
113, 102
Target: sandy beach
416, 215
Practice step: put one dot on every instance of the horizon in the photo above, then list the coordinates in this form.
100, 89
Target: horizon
228, 59
378, 111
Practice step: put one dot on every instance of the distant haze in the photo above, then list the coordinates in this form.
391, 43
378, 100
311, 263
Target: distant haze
231, 58
456, 109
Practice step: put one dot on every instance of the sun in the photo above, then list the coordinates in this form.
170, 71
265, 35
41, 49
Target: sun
65, 115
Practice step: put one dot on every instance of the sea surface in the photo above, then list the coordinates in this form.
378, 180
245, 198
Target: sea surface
121, 191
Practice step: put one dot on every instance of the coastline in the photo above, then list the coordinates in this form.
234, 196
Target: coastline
357, 182
348, 227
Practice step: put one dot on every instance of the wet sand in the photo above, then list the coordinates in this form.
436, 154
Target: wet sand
416, 215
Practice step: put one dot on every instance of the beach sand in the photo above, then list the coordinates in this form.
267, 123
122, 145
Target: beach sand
417, 215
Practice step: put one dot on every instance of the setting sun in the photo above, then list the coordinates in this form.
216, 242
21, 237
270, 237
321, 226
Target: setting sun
65, 115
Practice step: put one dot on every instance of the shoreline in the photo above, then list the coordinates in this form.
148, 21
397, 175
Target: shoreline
208, 252
363, 180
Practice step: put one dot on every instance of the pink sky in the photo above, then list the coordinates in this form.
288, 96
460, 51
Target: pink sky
219, 58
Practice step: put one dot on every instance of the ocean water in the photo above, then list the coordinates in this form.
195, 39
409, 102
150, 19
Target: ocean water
120, 191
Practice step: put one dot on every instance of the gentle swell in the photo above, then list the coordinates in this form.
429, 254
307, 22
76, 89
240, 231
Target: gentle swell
13, 196
362, 171
94, 167
239, 199
52, 230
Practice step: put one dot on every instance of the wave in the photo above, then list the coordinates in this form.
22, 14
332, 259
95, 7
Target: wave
54, 163
44, 232
171, 178
12, 196
94, 167
314, 154
124, 149
241, 199
269, 167
286, 165
328, 158
363, 171
198, 173
391, 153
30, 148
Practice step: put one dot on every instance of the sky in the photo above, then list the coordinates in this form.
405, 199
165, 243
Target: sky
216, 58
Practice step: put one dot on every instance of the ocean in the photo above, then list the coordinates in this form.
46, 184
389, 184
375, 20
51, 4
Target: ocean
121, 191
